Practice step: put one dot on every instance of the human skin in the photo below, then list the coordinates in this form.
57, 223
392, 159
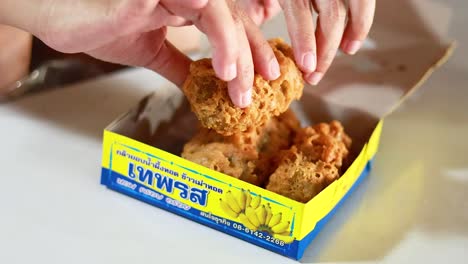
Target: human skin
132, 32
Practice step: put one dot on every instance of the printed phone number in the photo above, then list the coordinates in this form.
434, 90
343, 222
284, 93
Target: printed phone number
260, 235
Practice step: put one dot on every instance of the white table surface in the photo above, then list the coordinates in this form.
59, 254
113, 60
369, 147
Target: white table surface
412, 208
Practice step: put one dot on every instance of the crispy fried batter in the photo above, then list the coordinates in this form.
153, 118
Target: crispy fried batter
299, 178
250, 156
277, 136
325, 142
312, 163
223, 157
210, 101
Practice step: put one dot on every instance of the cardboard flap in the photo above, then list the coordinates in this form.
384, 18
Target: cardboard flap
377, 81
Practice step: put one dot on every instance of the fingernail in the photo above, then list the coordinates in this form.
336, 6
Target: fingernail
246, 98
309, 61
240, 99
314, 78
230, 72
274, 69
351, 47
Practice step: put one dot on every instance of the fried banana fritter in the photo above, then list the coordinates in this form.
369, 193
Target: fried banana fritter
326, 142
209, 99
250, 156
312, 163
278, 135
225, 158
299, 178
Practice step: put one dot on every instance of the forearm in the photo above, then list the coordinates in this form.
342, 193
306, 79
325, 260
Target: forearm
21, 13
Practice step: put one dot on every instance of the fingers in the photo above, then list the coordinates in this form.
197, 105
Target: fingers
256, 52
260, 10
216, 21
300, 25
264, 59
171, 63
361, 16
240, 88
230, 31
329, 32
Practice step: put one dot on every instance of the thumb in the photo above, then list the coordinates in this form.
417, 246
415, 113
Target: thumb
150, 50
171, 63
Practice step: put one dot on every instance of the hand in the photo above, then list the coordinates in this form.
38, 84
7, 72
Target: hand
132, 32
338, 26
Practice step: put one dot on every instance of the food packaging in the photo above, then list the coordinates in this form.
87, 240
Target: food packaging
141, 148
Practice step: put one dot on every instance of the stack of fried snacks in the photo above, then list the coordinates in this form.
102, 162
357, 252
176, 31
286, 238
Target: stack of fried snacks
264, 143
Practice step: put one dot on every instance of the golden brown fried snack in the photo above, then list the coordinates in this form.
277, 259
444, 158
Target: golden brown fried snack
249, 156
277, 136
209, 99
225, 158
312, 163
299, 178
325, 142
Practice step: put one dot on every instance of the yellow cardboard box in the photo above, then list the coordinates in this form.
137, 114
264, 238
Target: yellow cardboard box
141, 149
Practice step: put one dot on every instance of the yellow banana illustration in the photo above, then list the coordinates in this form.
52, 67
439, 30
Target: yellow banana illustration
227, 209
280, 228
285, 233
246, 222
242, 199
231, 200
275, 219
256, 201
261, 214
252, 216
248, 198
268, 214
285, 239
